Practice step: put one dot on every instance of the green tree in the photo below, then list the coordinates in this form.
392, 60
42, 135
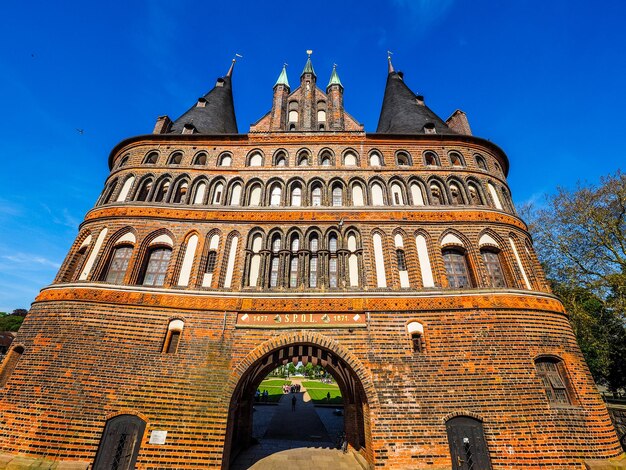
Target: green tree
580, 237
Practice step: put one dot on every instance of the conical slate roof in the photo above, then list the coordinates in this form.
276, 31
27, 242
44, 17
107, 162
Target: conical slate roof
282, 78
334, 78
214, 113
403, 112
308, 67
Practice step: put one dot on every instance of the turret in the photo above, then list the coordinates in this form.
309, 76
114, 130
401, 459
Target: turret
334, 91
278, 120
308, 108
214, 113
404, 112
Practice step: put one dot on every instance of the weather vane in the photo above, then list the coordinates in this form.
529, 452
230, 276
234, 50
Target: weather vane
309, 52
389, 54
237, 55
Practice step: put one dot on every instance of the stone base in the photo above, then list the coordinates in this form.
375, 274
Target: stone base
17, 462
611, 464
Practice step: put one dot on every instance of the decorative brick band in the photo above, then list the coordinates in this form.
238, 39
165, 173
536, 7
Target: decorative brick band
444, 301
303, 216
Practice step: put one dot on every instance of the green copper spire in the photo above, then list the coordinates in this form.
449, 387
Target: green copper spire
308, 67
334, 78
282, 78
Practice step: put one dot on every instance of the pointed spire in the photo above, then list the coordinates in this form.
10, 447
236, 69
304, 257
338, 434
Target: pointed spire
308, 67
232, 65
389, 65
334, 78
282, 78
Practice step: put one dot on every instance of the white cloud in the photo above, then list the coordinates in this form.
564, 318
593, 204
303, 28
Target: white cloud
28, 259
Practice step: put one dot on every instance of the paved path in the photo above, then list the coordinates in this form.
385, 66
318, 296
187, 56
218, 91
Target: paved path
295, 439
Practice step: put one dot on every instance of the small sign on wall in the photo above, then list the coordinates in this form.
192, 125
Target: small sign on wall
158, 437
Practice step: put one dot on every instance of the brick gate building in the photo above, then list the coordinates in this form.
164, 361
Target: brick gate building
395, 259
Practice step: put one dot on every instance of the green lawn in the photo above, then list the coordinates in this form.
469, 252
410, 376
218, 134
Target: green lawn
318, 392
274, 388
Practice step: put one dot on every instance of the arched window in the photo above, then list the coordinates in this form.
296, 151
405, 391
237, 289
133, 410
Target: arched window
303, 159
332, 262
123, 161
118, 265
151, 158
403, 159
108, 192
227, 160
456, 159
491, 259
494, 196
353, 261
474, 195
396, 195
217, 193
200, 159
326, 159
457, 272
497, 167
230, 261
176, 158
357, 195
161, 191
256, 159
424, 260
377, 195
280, 159
349, 159
172, 337
255, 195
403, 273
144, 190
255, 260
375, 159
337, 196
275, 261
120, 443
157, 262
235, 194
480, 162
437, 197
121, 197
76, 264
211, 261
293, 262
316, 196
296, 196
416, 333
379, 261
276, 195
551, 372
455, 194
431, 159
313, 262
416, 194
181, 193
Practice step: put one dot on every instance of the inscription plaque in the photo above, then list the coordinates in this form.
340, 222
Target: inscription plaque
300, 320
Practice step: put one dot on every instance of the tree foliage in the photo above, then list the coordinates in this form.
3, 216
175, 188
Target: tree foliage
580, 238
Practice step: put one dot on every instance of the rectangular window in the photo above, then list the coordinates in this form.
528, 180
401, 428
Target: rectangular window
401, 260
313, 272
293, 272
119, 264
274, 272
173, 342
332, 272
456, 269
156, 269
494, 268
550, 373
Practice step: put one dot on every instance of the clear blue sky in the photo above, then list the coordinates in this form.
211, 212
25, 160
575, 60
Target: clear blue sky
542, 79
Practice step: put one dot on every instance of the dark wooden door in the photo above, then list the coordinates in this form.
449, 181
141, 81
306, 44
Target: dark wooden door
468, 448
120, 442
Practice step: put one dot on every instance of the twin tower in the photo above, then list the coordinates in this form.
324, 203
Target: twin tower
394, 259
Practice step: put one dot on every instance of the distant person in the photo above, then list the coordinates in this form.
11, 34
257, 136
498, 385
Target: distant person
328, 396
293, 403
265, 395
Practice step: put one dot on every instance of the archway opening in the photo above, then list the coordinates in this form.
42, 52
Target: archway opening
244, 437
